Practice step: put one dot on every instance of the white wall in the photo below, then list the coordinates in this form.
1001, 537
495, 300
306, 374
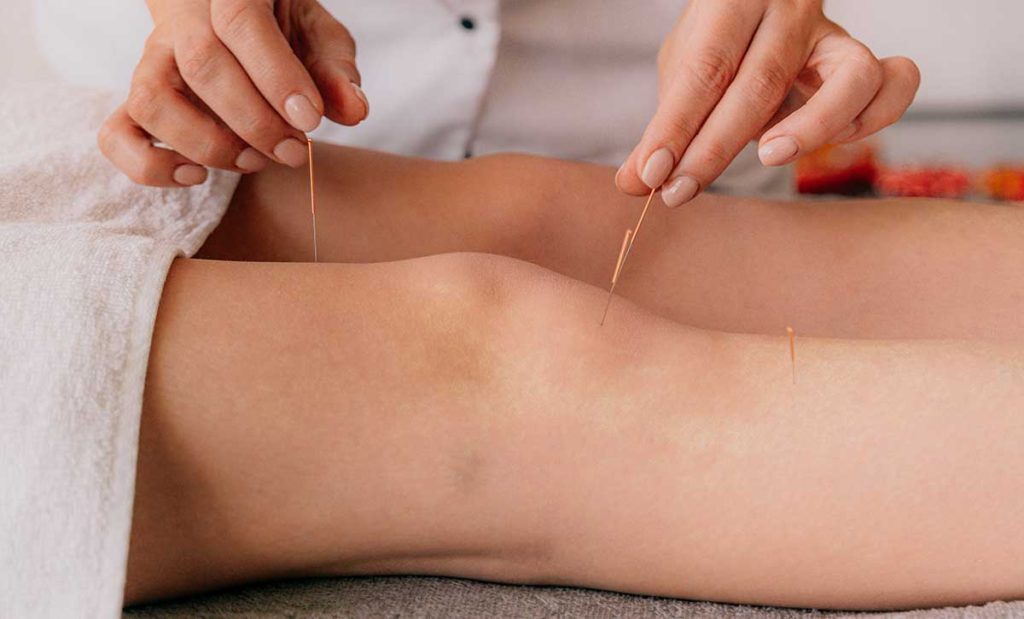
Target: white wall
971, 52
19, 57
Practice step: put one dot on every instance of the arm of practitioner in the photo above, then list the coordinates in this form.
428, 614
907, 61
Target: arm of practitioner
463, 415
232, 84
876, 269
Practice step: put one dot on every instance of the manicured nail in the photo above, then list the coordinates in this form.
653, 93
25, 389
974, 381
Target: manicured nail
189, 174
848, 133
658, 167
362, 97
779, 151
301, 113
291, 152
250, 160
680, 191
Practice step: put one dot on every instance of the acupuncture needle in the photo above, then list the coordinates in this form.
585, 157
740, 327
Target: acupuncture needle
312, 196
792, 350
618, 269
627, 247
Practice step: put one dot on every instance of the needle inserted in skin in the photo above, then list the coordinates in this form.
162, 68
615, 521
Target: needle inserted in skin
312, 196
618, 269
622, 256
627, 246
792, 350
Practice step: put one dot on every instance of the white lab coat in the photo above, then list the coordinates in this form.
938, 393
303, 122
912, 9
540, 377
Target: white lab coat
451, 78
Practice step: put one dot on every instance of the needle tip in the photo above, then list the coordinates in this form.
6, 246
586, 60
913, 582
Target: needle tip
792, 350
611, 293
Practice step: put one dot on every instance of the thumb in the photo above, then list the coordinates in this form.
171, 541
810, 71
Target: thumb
329, 54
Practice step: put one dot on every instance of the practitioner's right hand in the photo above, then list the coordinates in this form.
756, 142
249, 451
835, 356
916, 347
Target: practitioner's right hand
232, 84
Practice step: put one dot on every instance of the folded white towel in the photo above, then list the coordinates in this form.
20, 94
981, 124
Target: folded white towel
83, 257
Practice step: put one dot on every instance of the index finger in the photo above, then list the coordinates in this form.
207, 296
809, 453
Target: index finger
249, 29
692, 85
768, 70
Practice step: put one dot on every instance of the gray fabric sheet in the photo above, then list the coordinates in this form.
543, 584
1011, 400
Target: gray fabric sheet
451, 597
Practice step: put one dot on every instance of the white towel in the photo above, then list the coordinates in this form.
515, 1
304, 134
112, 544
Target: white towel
83, 257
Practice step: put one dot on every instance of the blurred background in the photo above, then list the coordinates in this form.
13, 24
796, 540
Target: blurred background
963, 136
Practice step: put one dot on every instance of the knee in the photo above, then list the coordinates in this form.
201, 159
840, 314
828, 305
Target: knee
493, 291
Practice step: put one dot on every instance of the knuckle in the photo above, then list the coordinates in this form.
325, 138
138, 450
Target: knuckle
232, 18
197, 57
810, 9
261, 130
214, 151
152, 44
160, 38
866, 66
141, 101
713, 69
769, 85
874, 73
679, 130
909, 68
822, 126
317, 64
713, 157
890, 117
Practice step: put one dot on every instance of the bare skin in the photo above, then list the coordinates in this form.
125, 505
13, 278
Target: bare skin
857, 269
463, 414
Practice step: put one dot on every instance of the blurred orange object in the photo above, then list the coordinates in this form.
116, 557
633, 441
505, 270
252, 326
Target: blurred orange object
845, 169
924, 182
1003, 183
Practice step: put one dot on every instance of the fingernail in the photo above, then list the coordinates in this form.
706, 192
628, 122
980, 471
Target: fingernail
250, 160
189, 174
291, 152
680, 191
658, 167
362, 97
301, 113
779, 151
848, 133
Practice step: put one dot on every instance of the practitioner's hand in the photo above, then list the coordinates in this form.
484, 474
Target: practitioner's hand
733, 70
232, 84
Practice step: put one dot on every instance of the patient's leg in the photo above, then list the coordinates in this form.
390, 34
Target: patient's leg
465, 415
882, 269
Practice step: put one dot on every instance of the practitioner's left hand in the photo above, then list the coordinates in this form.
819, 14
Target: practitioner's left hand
733, 70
